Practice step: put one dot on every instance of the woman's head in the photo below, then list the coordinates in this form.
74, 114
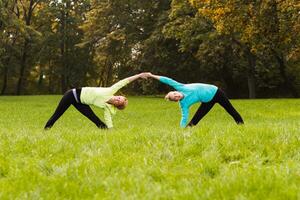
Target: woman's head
174, 96
119, 102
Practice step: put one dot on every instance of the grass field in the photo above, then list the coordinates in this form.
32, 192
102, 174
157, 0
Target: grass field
147, 155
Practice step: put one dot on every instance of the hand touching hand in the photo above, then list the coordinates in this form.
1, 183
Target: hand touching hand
150, 75
145, 75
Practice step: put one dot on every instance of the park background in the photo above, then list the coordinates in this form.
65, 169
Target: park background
248, 48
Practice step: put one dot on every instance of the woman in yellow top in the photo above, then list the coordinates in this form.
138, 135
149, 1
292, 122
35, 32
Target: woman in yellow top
102, 97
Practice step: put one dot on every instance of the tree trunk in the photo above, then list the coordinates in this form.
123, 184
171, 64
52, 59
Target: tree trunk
50, 86
64, 48
109, 75
4, 80
41, 80
63, 84
63, 68
286, 80
5, 72
251, 74
62, 53
226, 73
251, 69
21, 79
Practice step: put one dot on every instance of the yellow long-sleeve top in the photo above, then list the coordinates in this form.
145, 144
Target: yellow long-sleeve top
98, 96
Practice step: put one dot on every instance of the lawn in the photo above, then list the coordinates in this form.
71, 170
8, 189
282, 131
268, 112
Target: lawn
147, 155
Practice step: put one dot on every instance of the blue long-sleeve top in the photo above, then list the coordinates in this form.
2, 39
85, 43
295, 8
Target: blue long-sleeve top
192, 93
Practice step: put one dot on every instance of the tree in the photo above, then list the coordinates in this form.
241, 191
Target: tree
255, 26
218, 59
26, 14
11, 28
72, 62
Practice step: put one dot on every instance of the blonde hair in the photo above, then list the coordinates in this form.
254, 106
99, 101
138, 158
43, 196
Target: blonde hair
167, 97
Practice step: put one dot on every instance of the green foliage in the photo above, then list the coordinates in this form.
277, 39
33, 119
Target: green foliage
147, 155
117, 30
261, 28
44, 35
48, 47
70, 64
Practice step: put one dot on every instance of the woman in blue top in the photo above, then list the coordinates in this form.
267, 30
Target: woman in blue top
189, 94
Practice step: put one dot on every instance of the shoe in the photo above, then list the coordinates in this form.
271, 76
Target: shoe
47, 128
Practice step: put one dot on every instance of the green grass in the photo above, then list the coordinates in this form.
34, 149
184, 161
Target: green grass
147, 155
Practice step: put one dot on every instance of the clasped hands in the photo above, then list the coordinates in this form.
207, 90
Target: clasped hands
145, 75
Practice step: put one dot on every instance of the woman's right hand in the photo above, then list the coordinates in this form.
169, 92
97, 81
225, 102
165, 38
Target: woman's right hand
150, 75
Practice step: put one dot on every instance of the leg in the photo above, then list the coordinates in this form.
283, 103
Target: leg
201, 112
63, 105
225, 103
88, 112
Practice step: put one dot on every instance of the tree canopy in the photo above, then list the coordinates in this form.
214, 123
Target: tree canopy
248, 48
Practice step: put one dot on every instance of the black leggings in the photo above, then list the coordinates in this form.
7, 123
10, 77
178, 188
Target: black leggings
65, 103
222, 99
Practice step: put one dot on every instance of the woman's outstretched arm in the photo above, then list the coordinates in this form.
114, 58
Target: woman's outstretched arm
166, 80
125, 81
150, 75
137, 76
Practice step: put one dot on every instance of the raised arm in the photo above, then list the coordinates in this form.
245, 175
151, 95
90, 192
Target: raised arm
157, 77
137, 76
125, 81
166, 80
